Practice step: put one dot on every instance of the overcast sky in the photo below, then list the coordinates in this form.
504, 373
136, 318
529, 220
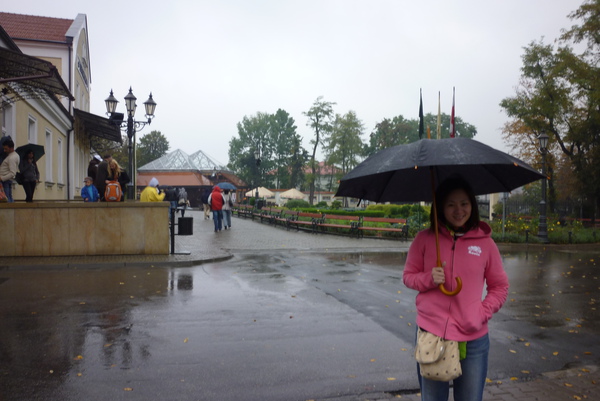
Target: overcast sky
210, 63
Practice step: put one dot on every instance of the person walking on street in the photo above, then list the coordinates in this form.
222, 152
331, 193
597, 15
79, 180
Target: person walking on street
205, 204
182, 200
31, 175
9, 168
227, 203
215, 200
467, 251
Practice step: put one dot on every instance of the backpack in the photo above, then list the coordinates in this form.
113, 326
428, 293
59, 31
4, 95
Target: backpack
113, 192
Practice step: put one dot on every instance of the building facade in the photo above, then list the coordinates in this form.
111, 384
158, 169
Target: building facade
63, 125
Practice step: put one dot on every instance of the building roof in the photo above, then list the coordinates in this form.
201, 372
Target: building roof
31, 27
178, 160
174, 179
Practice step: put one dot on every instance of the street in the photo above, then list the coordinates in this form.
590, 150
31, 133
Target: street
306, 319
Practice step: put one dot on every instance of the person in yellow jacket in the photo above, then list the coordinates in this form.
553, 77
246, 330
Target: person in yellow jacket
151, 193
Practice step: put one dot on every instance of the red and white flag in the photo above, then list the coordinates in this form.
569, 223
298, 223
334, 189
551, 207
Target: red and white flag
452, 124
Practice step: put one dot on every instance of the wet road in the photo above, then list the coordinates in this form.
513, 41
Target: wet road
268, 325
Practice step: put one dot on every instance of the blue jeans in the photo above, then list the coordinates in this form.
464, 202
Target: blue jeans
7, 186
227, 218
217, 217
469, 386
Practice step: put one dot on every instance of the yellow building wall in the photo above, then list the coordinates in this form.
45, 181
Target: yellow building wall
52, 186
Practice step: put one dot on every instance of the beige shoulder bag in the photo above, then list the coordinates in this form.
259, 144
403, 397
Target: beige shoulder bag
438, 359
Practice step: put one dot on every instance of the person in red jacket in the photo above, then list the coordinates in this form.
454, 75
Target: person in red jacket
215, 200
467, 251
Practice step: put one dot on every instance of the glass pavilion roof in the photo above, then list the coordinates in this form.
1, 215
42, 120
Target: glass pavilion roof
178, 160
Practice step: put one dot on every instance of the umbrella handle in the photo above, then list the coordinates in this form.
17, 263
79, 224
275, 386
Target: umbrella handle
451, 293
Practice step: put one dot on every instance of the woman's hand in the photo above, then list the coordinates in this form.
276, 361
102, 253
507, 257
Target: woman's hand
437, 273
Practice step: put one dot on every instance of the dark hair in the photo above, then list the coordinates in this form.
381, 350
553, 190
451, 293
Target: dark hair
9, 143
441, 194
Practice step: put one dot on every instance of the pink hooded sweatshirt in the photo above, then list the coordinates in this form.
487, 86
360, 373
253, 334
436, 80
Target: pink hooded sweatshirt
474, 257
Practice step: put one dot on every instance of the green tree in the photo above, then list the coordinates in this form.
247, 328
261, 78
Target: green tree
399, 131
320, 117
287, 145
151, 147
559, 94
344, 146
253, 136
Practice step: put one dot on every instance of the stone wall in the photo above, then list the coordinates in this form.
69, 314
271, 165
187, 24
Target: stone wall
77, 228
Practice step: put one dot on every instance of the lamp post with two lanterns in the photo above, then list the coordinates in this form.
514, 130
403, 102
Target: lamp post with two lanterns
543, 227
130, 127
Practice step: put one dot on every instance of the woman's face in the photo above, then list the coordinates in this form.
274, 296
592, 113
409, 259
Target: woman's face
457, 208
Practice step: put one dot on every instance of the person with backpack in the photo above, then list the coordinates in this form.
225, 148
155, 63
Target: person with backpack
101, 176
215, 200
114, 190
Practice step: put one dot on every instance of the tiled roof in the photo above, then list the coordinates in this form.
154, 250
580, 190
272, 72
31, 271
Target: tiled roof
21, 26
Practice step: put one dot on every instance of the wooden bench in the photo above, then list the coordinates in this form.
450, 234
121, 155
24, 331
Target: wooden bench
286, 217
242, 210
269, 214
308, 220
393, 225
340, 222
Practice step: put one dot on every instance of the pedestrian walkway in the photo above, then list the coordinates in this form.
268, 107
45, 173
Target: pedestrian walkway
247, 236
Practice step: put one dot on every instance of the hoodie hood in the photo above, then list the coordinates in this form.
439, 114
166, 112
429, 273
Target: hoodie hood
153, 182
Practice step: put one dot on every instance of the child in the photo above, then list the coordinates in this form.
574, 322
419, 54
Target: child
89, 193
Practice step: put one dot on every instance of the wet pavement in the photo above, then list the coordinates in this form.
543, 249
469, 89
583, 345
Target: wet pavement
261, 313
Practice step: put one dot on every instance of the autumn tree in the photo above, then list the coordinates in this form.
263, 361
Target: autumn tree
320, 119
559, 94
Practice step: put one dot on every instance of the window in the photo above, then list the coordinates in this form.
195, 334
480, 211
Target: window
59, 155
48, 156
32, 130
7, 113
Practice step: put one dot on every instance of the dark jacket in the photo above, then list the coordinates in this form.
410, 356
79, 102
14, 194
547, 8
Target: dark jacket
29, 170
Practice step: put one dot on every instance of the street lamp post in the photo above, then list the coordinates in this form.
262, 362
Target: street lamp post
543, 227
130, 127
257, 157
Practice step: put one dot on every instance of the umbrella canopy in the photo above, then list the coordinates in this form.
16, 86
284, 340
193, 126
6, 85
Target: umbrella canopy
262, 192
403, 173
38, 151
292, 194
227, 185
412, 172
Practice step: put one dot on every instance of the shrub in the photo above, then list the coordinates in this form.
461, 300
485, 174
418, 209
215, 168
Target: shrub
297, 203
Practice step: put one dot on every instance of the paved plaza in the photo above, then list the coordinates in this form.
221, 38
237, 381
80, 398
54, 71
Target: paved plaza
247, 236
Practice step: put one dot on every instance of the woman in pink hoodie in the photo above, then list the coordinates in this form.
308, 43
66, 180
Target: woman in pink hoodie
467, 251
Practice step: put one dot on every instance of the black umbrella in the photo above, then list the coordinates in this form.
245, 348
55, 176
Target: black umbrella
412, 172
403, 173
38, 151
